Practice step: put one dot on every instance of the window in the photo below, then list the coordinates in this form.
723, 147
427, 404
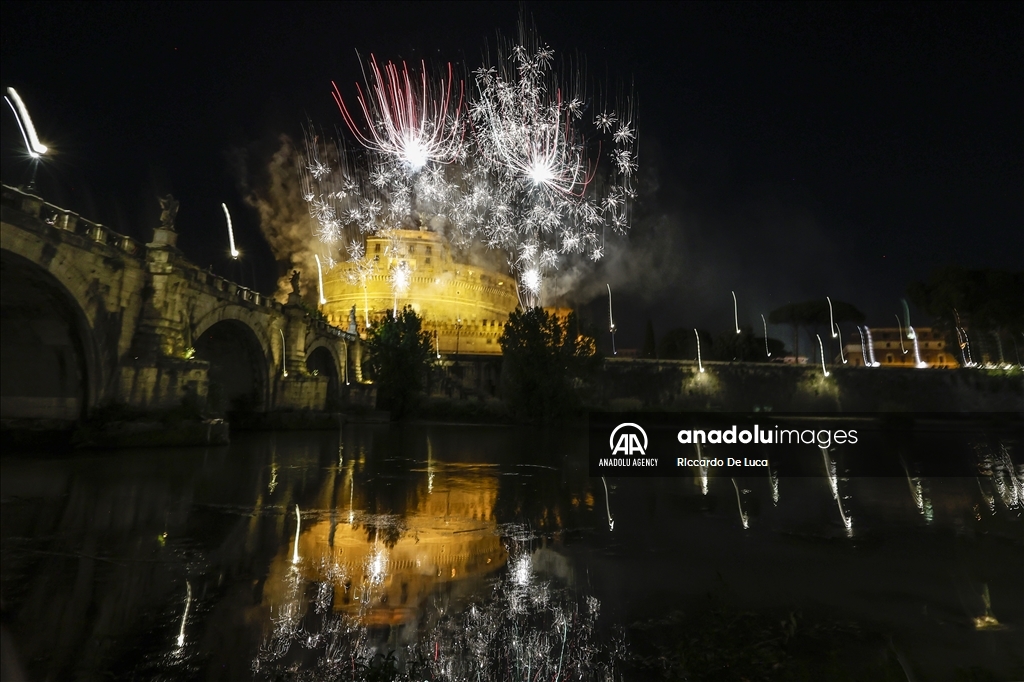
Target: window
427, 260
429, 251
376, 248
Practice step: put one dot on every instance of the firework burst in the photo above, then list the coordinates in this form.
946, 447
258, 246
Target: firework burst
406, 118
528, 171
556, 182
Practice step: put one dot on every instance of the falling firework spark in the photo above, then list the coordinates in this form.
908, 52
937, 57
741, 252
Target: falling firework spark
899, 327
917, 349
821, 349
611, 320
28, 130
700, 363
735, 313
284, 355
231, 232
832, 320
764, 323
871, 346
906, 316
320, 280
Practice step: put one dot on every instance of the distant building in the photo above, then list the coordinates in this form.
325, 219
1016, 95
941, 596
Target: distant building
892, 347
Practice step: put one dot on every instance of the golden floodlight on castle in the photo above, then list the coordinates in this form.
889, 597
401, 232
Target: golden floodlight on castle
464, 307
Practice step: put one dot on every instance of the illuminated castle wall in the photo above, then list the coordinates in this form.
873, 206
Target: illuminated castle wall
464, 306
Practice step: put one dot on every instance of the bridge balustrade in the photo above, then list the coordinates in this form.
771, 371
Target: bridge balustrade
69, 221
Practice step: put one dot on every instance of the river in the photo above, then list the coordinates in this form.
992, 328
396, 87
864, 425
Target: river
456, 552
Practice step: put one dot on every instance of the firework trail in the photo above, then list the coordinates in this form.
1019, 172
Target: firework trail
821, 349
611, 320
231, 232
320, 280
700, 363
735, 313
831, 320
28, 130
764, 323
900, 328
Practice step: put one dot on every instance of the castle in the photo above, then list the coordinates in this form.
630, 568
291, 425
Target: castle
464, 306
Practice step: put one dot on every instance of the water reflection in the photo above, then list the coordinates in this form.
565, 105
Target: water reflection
455, 553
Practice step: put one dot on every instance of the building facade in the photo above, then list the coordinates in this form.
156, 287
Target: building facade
896, 347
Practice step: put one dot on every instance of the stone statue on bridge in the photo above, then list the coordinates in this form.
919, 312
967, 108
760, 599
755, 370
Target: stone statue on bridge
295, 297
169, 211
352, 327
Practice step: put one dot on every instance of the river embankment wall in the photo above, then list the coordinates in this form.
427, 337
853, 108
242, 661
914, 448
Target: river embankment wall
670, 385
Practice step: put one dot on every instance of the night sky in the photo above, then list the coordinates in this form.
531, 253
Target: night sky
787, 152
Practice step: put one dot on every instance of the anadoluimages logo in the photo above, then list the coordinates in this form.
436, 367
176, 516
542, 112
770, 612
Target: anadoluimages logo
626, 439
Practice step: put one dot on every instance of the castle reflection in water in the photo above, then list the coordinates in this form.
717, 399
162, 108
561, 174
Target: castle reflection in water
382, 568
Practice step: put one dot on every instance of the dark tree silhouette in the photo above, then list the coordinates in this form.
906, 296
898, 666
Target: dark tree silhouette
649, 350
544, 358
399, 357
814, 316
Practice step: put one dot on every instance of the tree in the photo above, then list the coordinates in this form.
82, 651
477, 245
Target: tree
814, 316
649, 351
745, 347
544, 358
399, 357
681, 344
986, 299
988, 303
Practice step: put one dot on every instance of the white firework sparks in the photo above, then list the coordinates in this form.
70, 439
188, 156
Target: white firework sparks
531, 177
406, 117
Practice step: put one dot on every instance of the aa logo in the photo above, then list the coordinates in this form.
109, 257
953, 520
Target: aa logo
628, 439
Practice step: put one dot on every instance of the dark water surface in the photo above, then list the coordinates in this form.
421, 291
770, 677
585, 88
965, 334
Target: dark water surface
464, 553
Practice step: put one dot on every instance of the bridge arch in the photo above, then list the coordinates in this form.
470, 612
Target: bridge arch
322, 358
240, 358
52, 364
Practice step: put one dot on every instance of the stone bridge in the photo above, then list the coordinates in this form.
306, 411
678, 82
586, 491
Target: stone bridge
92, 318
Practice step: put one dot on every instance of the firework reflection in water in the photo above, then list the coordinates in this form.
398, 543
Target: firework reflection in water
531, 625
